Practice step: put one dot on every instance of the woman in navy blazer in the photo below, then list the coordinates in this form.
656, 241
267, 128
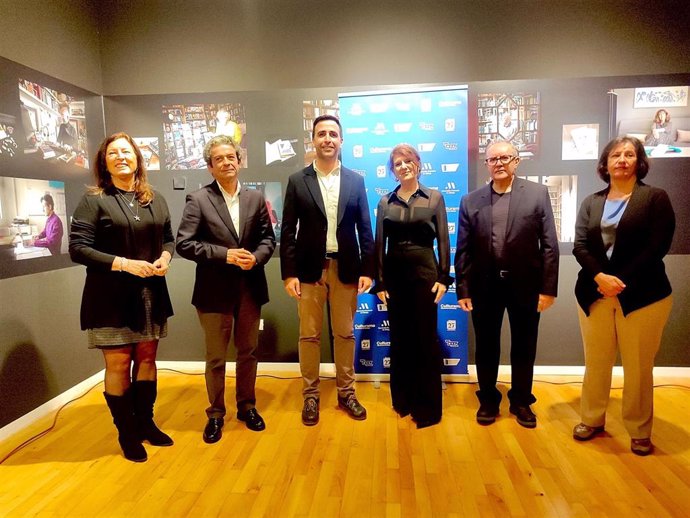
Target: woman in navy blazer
622, 235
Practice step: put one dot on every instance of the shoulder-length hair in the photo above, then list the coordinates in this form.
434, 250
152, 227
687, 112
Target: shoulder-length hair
104, 182
657, 119
642, 162
408, 151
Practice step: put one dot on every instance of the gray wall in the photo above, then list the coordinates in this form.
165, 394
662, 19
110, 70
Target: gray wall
154, 47
57, 37
179, 46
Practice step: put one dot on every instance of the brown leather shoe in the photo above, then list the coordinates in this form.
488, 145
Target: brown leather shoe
310, 411
582, 432
353, 407
641, 447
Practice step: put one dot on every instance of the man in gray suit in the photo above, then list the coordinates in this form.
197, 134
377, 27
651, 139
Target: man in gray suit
227, 231
506, 259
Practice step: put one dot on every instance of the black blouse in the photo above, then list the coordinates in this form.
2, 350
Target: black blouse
417, 223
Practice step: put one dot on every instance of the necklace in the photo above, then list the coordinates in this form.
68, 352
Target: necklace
129, 204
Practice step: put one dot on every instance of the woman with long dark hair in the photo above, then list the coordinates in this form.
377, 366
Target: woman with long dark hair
121, 232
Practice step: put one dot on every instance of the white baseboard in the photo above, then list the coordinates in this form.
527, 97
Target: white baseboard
327, 369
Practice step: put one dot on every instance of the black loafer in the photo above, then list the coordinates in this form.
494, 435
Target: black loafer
252, 419
525, 416
214, 430
486, 414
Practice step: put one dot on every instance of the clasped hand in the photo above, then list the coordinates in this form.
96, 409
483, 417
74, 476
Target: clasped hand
241, 257
609, 285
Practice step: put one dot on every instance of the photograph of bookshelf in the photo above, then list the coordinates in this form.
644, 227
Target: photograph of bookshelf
54, 124
311, 110
187, 128
563, 195
510, 117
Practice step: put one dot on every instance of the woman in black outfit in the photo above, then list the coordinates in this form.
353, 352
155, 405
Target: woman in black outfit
121, 231
412, 281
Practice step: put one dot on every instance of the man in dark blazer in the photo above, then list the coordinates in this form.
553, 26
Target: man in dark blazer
227, 231
507, 258
326, 254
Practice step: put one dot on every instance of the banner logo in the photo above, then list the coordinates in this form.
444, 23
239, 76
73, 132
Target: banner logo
450, 124
382, 343
426, 126
427, 168
366, 363
366, 344
402, 127
451, 325
382, 307
358, 151
451, 362
355, 131
449, 168
425, 105
364, 326
386, 362
450, 146
381, 171
379, 129
426, 147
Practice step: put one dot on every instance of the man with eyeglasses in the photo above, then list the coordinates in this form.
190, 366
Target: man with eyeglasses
507, 259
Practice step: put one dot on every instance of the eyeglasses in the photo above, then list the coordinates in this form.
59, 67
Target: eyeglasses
504, 159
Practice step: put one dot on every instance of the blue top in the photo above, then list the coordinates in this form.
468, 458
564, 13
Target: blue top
613, 211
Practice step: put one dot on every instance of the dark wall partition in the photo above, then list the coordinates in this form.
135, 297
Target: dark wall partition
269, 57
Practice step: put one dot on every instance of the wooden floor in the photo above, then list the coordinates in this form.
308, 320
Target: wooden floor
381, 467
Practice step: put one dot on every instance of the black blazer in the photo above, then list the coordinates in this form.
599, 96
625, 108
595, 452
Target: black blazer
531, 243
206, 233
304, 226
643, 238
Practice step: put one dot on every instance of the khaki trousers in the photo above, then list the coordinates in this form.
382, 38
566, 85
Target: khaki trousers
342, 302
638, 337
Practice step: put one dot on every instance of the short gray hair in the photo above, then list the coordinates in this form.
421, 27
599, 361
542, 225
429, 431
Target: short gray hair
489, 146
220, 140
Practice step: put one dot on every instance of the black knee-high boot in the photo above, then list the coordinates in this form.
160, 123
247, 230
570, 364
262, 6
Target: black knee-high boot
145, 393
122, 410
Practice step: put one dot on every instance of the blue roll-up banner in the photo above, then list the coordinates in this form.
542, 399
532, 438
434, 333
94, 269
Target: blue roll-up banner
434, 121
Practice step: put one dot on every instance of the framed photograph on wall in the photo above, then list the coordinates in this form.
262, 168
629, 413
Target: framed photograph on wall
511, 117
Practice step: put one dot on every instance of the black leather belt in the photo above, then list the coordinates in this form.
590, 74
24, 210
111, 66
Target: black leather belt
331, 255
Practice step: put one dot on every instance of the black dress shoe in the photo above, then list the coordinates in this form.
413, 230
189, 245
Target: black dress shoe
486, 414
525, 416
310, 411
214, 430
252, 419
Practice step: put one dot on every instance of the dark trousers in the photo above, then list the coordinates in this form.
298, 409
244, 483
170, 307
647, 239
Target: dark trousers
487, 318
218, 328
415, 352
